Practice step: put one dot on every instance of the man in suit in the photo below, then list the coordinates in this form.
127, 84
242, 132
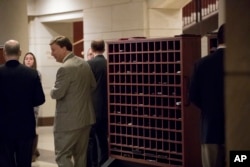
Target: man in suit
74, 109
99, 131
207, 93
21, 90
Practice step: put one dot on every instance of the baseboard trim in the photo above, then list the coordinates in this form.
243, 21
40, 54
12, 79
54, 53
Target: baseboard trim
45, 121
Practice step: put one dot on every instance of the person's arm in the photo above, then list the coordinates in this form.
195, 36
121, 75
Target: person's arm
92, 81
92, 74
39, 97
61, 84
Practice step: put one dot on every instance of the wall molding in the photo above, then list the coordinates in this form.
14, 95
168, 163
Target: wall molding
45, 121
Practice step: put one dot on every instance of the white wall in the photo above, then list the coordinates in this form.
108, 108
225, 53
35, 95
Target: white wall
165, 22
111, 20
114, 21
14, 23
204, 47
48, 7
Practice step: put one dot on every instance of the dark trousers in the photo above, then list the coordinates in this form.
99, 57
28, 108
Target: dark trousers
16, 153
98, 137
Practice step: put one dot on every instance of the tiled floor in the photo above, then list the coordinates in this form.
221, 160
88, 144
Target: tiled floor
47, 154
46, 148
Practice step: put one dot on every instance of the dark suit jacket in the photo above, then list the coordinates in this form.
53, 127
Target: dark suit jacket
20, 91
207, 93
99, 68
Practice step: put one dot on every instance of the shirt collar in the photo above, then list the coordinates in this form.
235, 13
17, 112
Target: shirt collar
66, 57
220, 46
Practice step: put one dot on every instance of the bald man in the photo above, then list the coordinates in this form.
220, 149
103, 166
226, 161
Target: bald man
21, 91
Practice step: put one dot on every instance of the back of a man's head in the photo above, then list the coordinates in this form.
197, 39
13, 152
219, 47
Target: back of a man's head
98, 46
12, 48
221, 34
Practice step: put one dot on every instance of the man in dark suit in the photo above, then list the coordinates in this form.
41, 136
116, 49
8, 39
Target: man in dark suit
99, 131
207, 93
74, 115
20, 92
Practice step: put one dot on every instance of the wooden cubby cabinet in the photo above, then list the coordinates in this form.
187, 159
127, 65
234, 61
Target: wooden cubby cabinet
150, 118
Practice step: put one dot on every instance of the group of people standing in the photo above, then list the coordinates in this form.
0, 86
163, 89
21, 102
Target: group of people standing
80, 91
